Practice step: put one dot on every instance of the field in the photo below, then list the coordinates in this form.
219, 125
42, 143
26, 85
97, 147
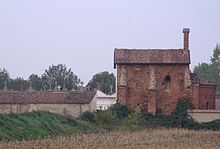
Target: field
148, 138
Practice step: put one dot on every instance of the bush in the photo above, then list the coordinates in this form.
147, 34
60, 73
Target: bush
213, 125
88, 116
120, 110
106, 119
153, 121
135, 118
180, 118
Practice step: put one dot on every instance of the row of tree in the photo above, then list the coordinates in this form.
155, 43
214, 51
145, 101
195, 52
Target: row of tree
57, 77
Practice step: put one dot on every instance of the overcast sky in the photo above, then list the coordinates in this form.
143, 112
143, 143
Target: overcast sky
82, 34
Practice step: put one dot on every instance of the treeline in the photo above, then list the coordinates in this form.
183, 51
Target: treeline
57, 77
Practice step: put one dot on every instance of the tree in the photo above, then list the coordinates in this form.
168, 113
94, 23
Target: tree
103, 81
4, 77
211, 72
36, 82
203, 70
59, 75
18, 84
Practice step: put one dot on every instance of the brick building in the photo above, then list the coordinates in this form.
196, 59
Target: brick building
155, 79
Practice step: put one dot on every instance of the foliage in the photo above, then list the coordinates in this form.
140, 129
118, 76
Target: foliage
180, 118
211, 71
54, 75
120, 110
4, 77
60, 75
213, 125
39, 124
135, 118
106, 119
103, 81
18, 84
35, 125
36, 81
88, 116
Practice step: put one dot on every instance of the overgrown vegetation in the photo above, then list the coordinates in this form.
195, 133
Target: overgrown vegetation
40, 124
119, 117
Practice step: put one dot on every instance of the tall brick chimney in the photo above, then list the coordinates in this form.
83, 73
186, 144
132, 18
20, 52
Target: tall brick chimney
186, 38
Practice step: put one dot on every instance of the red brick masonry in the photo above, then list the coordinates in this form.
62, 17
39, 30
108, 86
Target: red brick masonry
155, 79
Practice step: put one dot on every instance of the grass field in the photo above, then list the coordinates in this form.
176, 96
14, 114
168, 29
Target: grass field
149, 138
34, 125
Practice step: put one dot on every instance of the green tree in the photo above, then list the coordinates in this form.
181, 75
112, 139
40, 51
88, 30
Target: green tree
35, 80
211, 71
4, 77
18, 84
59, 75
103, 81
203, 70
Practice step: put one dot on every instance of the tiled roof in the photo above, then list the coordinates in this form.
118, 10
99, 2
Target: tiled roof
100, 94
46, 97
151, 56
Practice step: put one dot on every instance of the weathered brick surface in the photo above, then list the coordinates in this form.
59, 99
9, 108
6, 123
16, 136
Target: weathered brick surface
155, 79
146, 86
206, 96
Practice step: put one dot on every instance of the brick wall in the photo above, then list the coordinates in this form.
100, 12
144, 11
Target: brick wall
206, 96
154, 87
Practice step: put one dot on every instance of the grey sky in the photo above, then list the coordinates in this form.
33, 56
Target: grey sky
82, 34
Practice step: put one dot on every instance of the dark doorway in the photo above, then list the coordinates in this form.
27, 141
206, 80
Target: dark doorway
207, 105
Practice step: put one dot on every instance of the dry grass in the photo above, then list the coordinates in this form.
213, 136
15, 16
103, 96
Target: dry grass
156, 139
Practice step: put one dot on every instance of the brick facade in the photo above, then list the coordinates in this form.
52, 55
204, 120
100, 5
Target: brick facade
156, 79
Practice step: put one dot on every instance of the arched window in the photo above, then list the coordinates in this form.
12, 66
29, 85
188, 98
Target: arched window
167, 81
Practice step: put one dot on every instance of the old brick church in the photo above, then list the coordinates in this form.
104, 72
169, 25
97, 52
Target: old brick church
155, 79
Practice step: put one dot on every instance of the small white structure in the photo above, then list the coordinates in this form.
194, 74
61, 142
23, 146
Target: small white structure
105, 101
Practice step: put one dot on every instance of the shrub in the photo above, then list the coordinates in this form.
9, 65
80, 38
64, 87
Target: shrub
153, 121
180, 118
106, 118
88, 116
135, 118
213, 125
120, 110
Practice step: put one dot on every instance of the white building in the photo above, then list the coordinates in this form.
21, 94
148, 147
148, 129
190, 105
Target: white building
105, 101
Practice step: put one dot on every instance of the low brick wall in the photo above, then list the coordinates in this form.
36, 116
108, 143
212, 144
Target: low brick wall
204, 115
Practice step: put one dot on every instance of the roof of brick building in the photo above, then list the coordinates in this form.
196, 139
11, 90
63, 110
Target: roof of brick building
151, 56
46, 97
